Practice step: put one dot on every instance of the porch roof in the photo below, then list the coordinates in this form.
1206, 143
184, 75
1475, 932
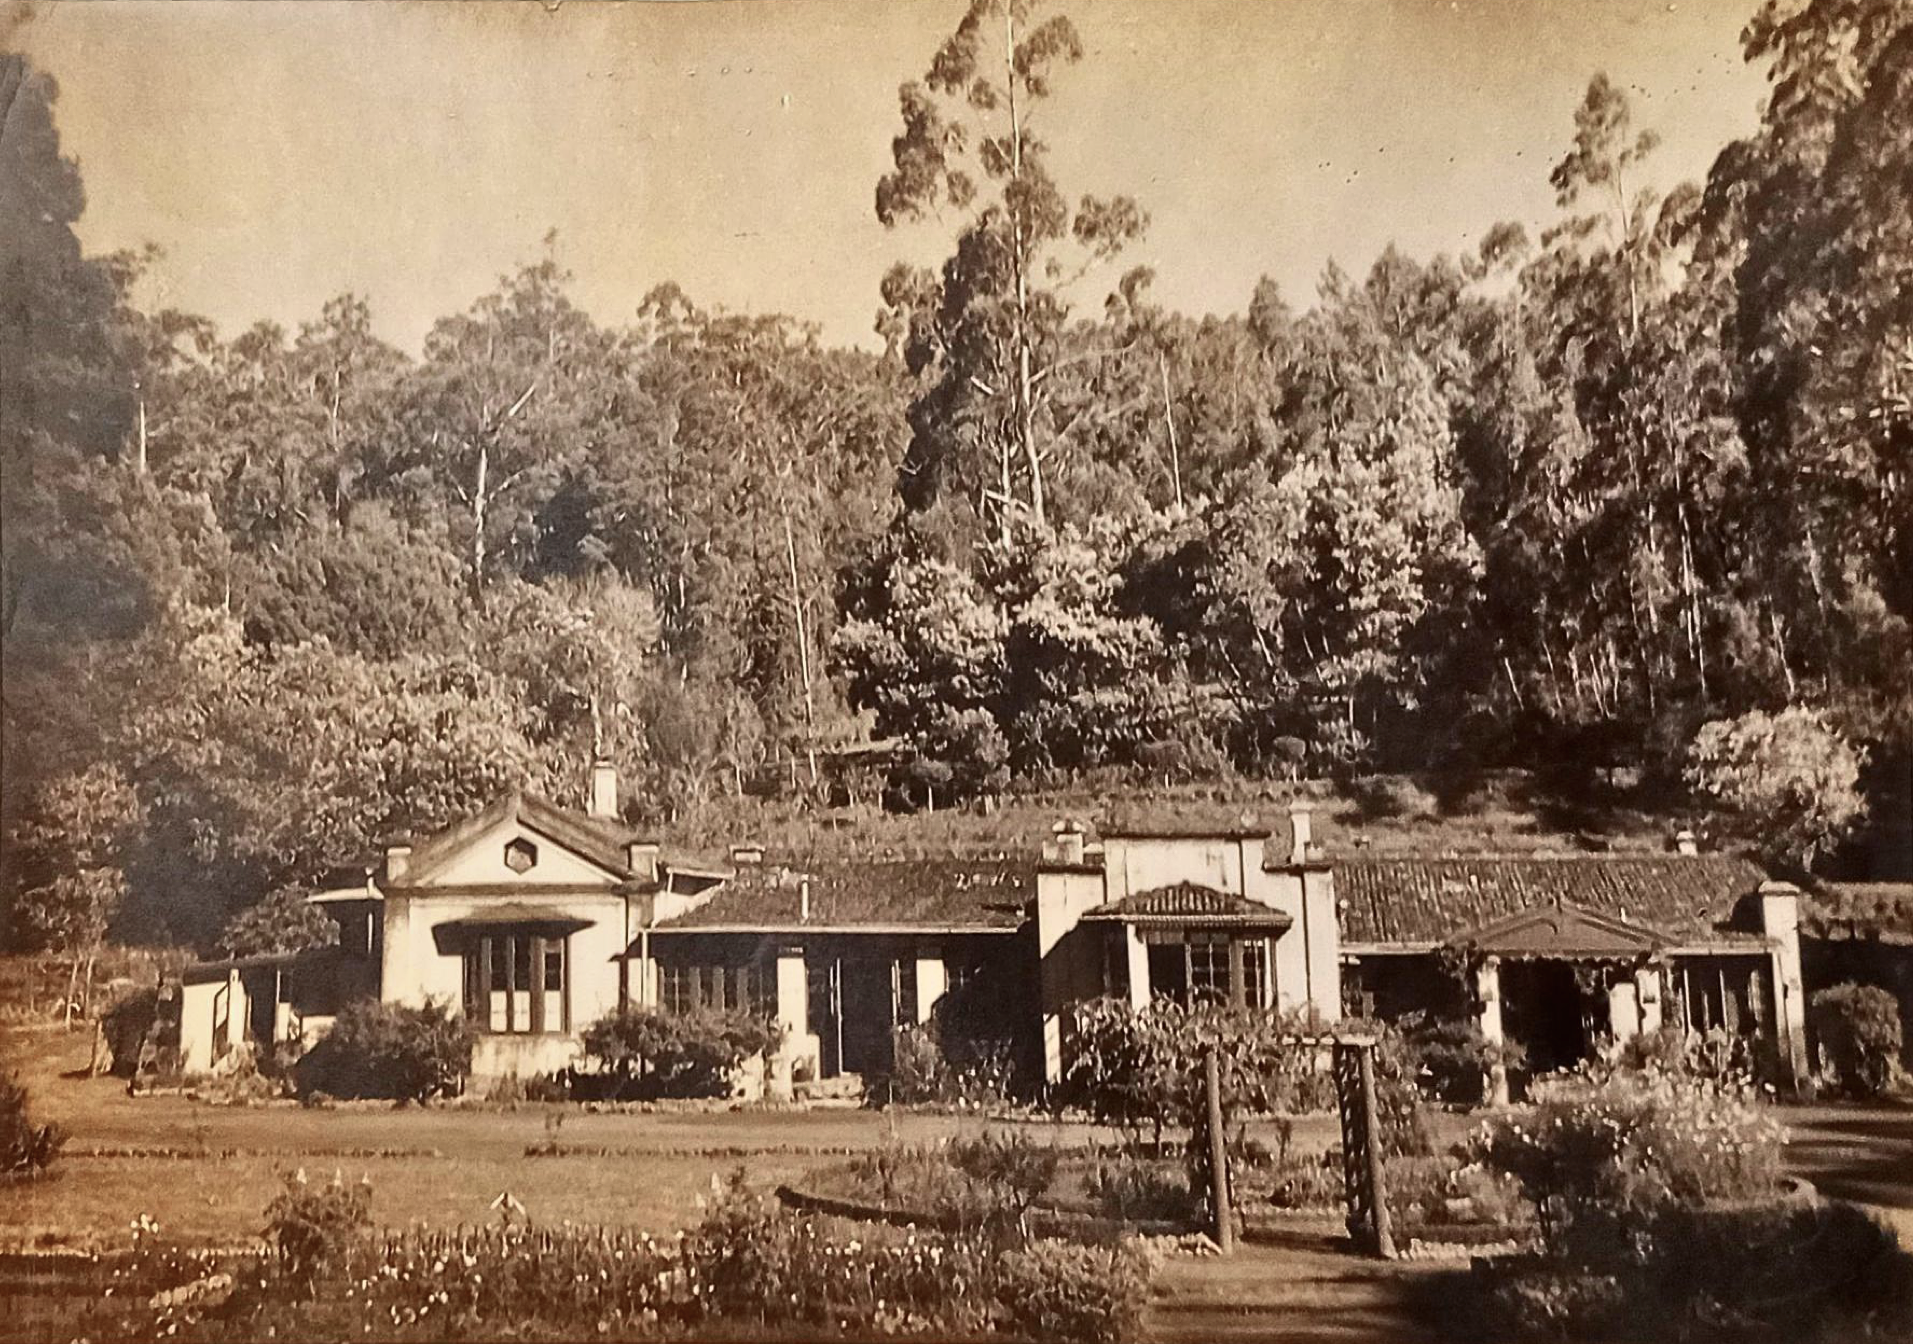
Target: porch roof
1190, 903
518, 914
1693, 899
984, 895
1562, 930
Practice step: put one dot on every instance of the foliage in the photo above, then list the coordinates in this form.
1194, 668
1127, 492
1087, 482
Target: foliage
1860, 1036
1451, 1059
26, 1149
1772, 1270
668, 1054
310, 1227
1079, 1294
1015, 1168
1789, 780
376, 1049
125, 1025
1608, 1150
1128, 1186
963, 1073
284, 922
1135, 1069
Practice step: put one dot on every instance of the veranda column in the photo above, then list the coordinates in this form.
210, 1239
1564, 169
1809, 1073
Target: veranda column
1488, 1017
932, 981
1138, 954
1647, 991
793, 1016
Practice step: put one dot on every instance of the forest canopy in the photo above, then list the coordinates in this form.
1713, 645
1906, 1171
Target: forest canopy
1626, 493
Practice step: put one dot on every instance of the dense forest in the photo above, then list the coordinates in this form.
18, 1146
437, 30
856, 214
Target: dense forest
1631, 493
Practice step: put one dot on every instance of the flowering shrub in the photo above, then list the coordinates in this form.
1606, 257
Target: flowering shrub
1126, 1185
1860, 1037
311, 1227
1450, 1057
388, 1050
658, 1054
926, 1069
1076, 1294
1610, 1150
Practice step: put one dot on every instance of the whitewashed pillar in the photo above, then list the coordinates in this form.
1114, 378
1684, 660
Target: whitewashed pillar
1138, 954
1488, 1017
1647, 993
933, 982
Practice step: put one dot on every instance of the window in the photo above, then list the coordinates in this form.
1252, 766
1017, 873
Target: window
515, 984
1209, 971
521, 855
1200, 966
685, 986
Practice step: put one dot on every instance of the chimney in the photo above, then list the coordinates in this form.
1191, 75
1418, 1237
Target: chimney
1066, 843
803, 899
1301, 828
746, 855
642, 855
398, 861
1685, 843
604, 790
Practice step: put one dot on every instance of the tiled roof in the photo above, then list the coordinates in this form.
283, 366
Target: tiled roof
1188, 902
1882, 910
887, 893
1417, 900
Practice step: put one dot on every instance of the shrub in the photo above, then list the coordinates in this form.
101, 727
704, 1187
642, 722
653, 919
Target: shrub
927, 1070
1380, 796
1127, 1186
1858, 1028
310, 1227
26, 1149
1451, 1058
1770, 1271
1606, 1152
126, 1024
655, 1053
388, 1050
1716, 1055
1015, 1168
1080, 1294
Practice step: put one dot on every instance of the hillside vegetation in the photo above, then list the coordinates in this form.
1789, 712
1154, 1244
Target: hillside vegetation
1629, 497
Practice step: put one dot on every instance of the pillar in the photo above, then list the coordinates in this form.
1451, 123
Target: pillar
1623, 1010
1488, 1017
793, 1008
1138, 954
1647, 993
932, 981
1780, 921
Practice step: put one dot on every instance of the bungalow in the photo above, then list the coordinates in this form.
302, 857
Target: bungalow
534, 921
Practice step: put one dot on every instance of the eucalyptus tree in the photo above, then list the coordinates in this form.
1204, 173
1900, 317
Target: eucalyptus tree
983, 334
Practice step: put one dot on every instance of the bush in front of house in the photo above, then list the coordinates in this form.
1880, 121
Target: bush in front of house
388, 1050
1607, 1151
652, 1053
26, 1148
1451, 1059
1860, 1037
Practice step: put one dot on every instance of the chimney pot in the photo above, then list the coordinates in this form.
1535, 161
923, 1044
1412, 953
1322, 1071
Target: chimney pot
1066, 844
398, 861
1685, 842
643, 858
746, 854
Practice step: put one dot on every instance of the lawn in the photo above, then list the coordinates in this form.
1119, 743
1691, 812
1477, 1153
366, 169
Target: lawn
206, 1172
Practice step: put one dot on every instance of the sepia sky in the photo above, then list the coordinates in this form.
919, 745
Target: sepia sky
283, 153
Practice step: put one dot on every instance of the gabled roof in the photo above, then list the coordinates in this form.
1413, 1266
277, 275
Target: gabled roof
605, 843
1189, 903
1425, 899
886, 894
1561, 930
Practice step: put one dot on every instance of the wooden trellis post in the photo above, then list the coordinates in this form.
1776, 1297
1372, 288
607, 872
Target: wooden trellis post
1364, 1160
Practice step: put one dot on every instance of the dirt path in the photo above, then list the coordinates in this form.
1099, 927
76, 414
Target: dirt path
1297, 1287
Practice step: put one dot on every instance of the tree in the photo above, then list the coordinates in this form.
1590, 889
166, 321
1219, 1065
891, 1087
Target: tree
284, 922
1787, 781
72, 846
982, 336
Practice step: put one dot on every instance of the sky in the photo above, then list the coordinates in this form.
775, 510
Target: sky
412, 152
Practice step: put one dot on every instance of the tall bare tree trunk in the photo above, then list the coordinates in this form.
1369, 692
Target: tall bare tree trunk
1169, 418
803, 651
480, 502
1019, 261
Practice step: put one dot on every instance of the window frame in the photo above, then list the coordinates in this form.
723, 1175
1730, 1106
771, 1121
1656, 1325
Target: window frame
518, 953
